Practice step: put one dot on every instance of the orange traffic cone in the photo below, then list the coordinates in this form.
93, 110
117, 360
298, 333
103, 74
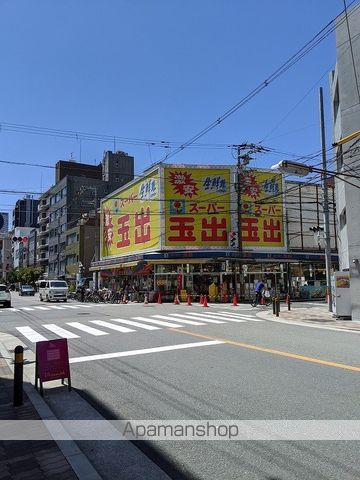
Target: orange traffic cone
235, 301
159, 300
189, 299
201, 300
205, 304
176, 299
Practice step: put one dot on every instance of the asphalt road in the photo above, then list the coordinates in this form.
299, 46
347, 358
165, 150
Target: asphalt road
238, 368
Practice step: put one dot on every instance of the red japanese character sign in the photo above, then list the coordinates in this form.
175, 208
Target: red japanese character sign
131, 218
262, 211
197, 207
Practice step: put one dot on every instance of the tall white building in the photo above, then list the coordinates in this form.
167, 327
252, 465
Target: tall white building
345, 96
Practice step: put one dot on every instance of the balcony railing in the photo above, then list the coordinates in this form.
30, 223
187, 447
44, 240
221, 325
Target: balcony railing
43, 218
43, 231
43, 206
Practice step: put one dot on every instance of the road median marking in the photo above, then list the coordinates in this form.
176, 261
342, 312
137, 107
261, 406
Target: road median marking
272, 351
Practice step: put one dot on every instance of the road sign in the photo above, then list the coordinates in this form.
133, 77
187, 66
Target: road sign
52, 362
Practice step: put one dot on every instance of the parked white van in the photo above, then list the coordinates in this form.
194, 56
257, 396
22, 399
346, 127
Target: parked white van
53, 290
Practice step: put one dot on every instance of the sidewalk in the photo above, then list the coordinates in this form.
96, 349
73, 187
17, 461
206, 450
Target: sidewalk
25, 460
315, 316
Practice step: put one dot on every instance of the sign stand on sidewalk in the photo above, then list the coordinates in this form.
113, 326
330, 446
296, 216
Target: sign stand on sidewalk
52, 362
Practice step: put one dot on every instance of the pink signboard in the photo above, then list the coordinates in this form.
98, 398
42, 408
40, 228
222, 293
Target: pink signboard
52, 361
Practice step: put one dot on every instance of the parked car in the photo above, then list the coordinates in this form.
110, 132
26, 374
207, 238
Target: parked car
26, 290
5, 296
53, 290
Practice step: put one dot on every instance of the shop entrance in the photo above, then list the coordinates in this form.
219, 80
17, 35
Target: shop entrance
275, 280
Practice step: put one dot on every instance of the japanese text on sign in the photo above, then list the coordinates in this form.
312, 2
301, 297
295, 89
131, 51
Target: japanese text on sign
130, 219
197, 207
262, 211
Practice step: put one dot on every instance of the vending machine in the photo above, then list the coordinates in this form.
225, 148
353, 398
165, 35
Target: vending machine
341, 294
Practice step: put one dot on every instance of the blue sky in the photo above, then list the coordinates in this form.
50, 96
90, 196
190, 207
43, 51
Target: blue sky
158, 70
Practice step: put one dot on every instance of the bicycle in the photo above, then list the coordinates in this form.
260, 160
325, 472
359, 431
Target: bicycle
264, 299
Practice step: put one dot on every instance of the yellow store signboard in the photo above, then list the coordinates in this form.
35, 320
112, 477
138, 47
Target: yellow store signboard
262, 209
197, 207
130, 220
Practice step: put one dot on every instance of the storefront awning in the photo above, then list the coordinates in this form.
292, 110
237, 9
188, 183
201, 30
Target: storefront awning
113, 266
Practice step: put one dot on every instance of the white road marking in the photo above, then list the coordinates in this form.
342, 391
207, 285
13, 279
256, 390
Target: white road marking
118, 328
70, 306
242, 315
158, 322
42, 308
30, 334
219, 317
80, 305
135, 324
27, 309
56, 308
144, 351
189, 315
60, 331
87, 329
190, 322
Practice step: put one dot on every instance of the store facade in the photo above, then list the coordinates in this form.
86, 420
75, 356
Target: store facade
175, 230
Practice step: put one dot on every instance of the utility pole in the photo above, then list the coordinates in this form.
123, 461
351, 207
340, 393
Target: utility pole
243, 159
325, 202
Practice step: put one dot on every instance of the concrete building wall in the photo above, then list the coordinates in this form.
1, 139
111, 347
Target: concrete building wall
345, 88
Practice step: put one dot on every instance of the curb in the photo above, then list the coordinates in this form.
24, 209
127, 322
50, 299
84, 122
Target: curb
266, 316
74, 456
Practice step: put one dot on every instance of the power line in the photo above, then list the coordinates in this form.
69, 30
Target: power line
310, 45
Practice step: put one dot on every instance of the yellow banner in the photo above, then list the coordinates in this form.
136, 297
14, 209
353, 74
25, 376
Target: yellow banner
262, 209
130, 218
197, 207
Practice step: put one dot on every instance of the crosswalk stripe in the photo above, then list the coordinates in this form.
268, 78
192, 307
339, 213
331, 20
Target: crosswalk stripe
135, 324
27, 309
241, 315
30, 334
87, 329
70, 306
77, 305
158, 322
219, 317
118, 328
189, 315
42, 308
57, 308
60, 331
190, 322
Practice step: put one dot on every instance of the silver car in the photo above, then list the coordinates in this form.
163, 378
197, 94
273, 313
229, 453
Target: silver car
5, 296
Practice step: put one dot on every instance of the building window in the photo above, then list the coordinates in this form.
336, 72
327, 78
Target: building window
339, 158
336, 101
342, 218
72, 238
71, 259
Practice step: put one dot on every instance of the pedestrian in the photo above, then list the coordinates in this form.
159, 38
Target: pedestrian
258, 291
